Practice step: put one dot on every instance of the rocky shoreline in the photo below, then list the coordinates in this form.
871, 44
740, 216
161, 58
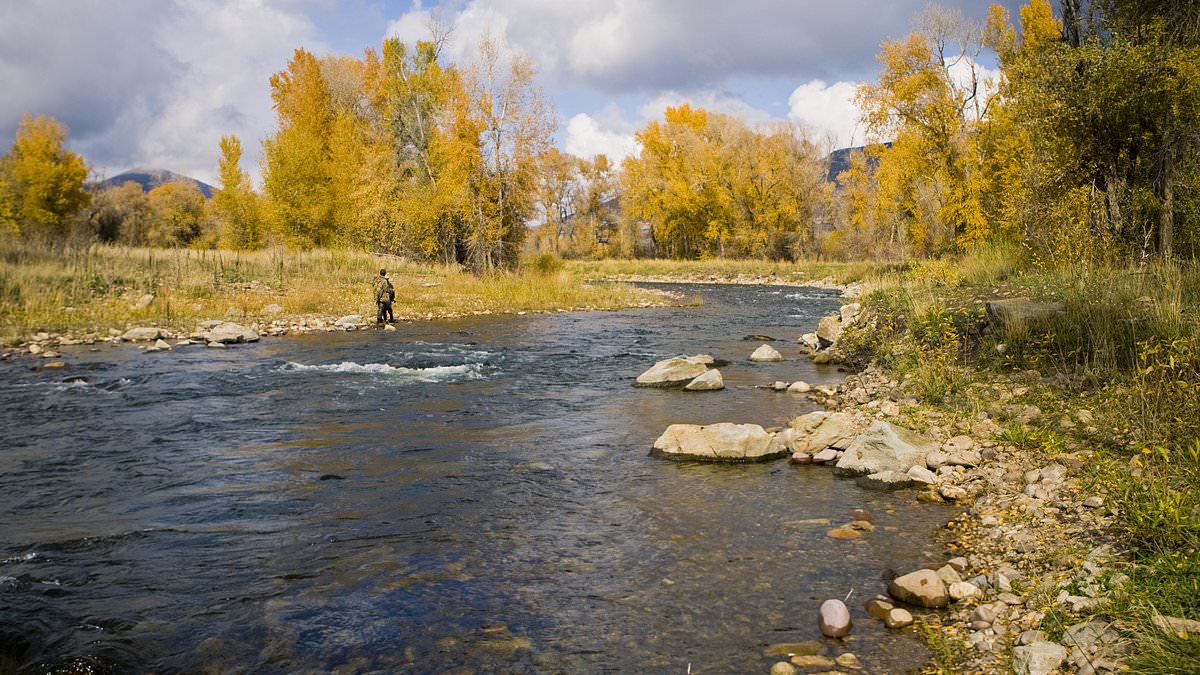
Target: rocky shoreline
1028, 561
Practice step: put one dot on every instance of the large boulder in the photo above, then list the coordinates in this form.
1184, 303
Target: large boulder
141, 334
766, 353
1021, 311
923, 588
228, 332
829, 330
816, 431
672, 372
709, 380
721, 442
885, 447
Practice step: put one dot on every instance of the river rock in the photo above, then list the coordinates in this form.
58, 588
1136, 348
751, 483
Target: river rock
766, 353
962, 590
783, 668
272, 309
920, 474
810, 341
709, 380
923, 588
349, 321
885, 480
672, 372
829, 330
878, 607
819, 430
228, 332
162, 345
885, 447
898, 617
141, 334
799, 387
834, 619
722, 442
1039, 658
850, 313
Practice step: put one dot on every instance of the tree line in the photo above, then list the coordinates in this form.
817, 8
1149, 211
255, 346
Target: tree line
1082, 147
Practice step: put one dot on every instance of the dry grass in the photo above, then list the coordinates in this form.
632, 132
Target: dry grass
97, 288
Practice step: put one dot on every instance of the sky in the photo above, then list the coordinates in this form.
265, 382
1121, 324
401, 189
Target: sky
156, 83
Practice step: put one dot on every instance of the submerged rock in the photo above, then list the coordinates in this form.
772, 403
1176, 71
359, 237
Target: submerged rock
721, 442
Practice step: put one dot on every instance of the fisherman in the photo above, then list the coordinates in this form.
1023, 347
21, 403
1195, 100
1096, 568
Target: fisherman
385, 294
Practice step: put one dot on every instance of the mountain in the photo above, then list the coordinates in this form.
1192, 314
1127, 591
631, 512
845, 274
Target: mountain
839, 161
152, 178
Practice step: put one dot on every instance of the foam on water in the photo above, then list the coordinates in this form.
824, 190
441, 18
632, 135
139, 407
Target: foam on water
466, 371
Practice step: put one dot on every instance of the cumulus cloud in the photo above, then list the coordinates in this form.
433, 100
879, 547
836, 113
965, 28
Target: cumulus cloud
588, 136
827, 112
145, 82
639, 46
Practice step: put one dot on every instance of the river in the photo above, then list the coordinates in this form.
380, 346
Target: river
470, 495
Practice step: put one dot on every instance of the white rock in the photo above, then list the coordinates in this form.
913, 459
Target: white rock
962, 590
140, 334
766, 353
724, 441
922, 475
799, 387
898, 617
709, 380
885, 447
923, 588
350, 320
162, 345
671, 372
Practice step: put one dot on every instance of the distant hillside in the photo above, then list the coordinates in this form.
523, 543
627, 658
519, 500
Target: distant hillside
152, 178
839, 161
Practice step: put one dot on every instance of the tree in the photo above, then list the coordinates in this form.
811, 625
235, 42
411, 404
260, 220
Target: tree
296, 160
122, 214
235, 204
41, 182
515, 124
177, 212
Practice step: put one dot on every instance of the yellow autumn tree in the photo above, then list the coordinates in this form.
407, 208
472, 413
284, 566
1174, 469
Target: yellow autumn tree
235, 205
296, 160
41, 182
931, 100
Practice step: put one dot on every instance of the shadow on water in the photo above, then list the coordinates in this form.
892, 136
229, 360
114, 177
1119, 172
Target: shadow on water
472, 496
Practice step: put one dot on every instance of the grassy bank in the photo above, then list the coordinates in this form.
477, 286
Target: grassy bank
96, 288
1114, 368
728, 270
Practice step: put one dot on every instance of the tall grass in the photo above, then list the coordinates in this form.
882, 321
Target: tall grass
95, 288
723, 270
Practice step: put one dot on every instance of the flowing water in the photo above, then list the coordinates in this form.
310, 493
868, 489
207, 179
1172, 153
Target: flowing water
455, 496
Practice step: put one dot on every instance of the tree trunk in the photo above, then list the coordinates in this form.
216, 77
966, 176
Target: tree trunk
1072, 17
1166, 187
1113, 185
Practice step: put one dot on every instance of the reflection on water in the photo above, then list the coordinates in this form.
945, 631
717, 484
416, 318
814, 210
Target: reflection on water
471, 496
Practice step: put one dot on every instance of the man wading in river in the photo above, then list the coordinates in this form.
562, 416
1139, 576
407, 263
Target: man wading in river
385, 294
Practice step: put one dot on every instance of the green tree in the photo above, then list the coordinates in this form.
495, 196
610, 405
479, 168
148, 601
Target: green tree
41, 182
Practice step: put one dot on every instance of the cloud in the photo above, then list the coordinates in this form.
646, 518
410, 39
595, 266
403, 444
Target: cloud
643, 46
589, 136
145, 82
827, 112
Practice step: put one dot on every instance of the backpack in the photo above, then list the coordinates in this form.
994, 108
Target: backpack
391, 292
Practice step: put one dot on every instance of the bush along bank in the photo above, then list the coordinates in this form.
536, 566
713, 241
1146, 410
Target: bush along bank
1080, 520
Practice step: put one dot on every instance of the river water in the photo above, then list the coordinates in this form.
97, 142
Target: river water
469, 496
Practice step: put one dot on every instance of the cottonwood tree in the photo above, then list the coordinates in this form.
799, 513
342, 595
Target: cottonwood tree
41, 182
235, 204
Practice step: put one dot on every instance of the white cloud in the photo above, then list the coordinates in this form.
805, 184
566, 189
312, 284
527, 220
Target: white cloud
150, 84
708, 100
589, 136
827, 112
964, 71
